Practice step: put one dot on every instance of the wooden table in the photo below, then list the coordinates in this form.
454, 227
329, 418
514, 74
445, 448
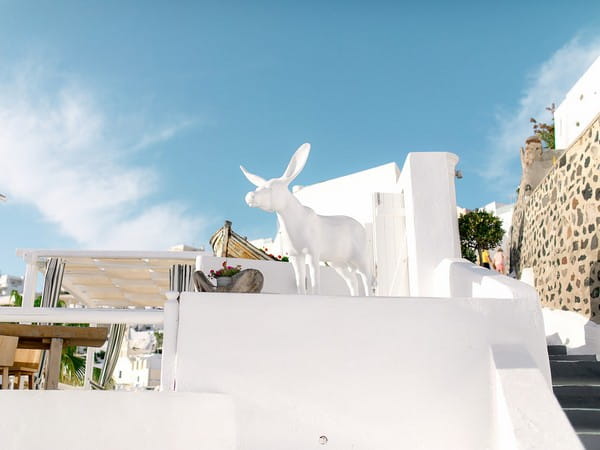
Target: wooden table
52, 338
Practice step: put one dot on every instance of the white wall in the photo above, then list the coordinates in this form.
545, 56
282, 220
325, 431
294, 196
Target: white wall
96, 420
580, 106
382, 373
580, 335
504, 212
351, 195
459, 278
279, 276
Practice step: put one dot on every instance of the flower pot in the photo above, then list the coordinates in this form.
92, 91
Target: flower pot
223, 281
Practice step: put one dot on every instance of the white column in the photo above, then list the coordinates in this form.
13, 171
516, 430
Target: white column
30, 282
427, 180
89, 364
169, 353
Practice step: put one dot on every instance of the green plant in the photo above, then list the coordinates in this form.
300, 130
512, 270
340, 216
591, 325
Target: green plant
96, 378
72, 367
159, 335
16, 299
225, 271
468, 253
478, 230
545, 131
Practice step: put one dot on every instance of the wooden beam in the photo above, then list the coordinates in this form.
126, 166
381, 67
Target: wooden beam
54, 363
52, 331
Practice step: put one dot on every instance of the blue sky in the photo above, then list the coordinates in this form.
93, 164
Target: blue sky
122, 124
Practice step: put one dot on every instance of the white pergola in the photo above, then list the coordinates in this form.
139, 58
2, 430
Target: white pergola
101, 278
113, 286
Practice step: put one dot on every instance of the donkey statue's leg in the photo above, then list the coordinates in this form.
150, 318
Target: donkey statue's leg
299, 265
349, 277
315, 274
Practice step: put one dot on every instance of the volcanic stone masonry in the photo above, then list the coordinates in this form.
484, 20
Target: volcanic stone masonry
556, 227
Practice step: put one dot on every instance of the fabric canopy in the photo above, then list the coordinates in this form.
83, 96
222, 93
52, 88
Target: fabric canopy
113, 348
53, 276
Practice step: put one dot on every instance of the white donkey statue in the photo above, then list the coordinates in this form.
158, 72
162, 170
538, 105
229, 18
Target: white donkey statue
309, 237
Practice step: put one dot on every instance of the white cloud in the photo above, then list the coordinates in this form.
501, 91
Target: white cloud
163, 134
546, 84
58, 154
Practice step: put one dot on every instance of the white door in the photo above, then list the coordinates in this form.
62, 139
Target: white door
389, 244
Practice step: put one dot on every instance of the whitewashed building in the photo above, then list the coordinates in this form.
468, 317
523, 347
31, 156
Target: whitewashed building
505, 212
579, 108
138, 366
8, 283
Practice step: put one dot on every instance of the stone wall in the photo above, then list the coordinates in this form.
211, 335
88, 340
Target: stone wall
556, 229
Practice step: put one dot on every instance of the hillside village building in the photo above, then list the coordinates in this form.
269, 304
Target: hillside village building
8, 283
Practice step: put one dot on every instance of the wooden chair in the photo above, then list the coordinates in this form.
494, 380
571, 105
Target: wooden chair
26, 364
8, 348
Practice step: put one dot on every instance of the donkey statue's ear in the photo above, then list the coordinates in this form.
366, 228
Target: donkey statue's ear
254, 179
296, 163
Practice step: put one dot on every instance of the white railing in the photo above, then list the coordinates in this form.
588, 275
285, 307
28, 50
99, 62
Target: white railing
81, 315
94, 316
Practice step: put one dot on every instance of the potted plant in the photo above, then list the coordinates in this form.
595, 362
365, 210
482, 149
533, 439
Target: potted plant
223, 275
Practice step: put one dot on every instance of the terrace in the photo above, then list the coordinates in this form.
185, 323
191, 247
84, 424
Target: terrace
457, 361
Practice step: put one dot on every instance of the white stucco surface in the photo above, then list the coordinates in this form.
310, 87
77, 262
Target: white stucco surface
100, 420
458, 277
383, 373
527, 415
427, 181
580, 335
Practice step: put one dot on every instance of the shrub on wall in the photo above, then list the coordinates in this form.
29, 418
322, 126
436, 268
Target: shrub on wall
545, 131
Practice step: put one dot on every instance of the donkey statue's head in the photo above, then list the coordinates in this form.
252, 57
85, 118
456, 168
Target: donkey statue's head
273, 195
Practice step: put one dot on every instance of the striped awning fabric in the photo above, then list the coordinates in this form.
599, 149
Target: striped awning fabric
53, 277
113, 348
180, 277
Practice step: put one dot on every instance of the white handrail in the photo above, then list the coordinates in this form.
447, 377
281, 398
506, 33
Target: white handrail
99, 254
81, 315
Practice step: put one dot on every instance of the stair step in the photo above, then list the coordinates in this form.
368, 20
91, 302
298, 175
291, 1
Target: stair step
557, 350
578, 396
591, 441
584, 420
575, 372
573, 358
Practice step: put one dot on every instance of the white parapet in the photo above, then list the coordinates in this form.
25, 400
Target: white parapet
279, 276
527, 415
99, 420
580, 335
375, 372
